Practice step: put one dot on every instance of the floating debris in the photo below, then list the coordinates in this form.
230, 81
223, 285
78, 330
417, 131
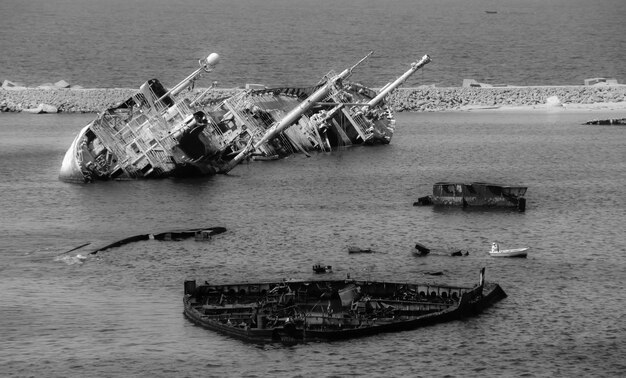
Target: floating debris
322, 268
437, 273
355, 249
421, 250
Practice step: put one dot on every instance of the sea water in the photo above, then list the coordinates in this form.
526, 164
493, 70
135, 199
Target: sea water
121, 43
119, 312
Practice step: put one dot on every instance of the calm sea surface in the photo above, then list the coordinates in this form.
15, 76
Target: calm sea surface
122, 43
119, 313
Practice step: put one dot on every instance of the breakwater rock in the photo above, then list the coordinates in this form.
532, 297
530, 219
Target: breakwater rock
75, 100
425, 98
438, 99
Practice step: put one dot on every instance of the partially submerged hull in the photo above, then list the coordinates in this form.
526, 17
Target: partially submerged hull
475, 194
297, 311
161, 133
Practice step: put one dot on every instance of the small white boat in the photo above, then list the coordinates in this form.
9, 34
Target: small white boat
516, 252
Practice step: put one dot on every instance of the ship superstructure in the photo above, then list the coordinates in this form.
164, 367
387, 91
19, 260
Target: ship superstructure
160, 133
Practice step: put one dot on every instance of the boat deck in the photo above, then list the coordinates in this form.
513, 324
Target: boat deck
326, 310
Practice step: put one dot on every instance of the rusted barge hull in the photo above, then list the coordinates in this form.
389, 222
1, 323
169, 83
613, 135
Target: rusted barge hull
297, 311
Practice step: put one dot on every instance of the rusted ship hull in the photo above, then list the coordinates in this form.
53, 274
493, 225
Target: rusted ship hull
297, 311
161, 133
475, 194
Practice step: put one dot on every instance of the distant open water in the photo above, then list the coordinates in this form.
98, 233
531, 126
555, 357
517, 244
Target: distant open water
121, 43
119, 313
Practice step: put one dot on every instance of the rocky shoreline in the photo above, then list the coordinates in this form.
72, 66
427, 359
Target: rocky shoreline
440, 99
420, 99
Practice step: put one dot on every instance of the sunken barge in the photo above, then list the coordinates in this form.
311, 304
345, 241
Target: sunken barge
475, 194
298, 310
161, 132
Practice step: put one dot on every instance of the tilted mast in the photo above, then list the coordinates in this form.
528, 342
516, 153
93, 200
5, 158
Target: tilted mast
391, 86
206, 65
293, 115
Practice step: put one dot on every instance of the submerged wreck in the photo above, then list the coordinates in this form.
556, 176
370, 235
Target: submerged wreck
199, 234
297, 310
160, 133
605, 122
475, 194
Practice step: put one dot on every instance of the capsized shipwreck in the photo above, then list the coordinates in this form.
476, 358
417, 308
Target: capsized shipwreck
161, 132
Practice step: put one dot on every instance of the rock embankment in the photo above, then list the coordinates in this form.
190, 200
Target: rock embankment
438, 99
68, 100
76, 100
